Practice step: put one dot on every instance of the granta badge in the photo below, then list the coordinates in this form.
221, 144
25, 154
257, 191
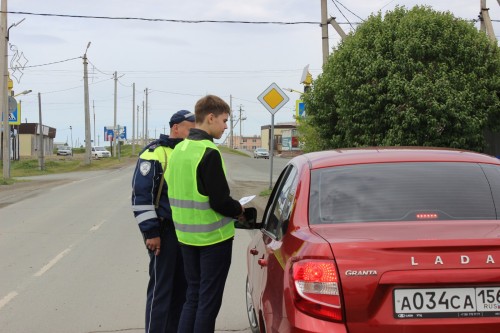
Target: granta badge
145, 167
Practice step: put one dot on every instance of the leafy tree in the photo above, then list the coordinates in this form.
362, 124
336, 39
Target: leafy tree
411, 77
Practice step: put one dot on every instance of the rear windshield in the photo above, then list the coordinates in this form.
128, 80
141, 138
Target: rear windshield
404, 192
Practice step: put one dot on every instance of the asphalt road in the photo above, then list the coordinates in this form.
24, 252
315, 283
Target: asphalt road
72, 259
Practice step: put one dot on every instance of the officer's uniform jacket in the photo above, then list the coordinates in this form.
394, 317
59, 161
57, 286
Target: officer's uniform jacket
145, 185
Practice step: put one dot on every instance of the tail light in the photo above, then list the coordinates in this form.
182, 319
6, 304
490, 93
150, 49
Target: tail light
316, 289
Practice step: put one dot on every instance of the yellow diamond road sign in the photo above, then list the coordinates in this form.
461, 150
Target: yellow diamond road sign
273, 98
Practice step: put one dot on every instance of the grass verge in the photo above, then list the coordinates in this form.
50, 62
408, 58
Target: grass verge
61, 164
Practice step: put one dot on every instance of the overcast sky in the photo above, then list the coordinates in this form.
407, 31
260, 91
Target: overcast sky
177, 62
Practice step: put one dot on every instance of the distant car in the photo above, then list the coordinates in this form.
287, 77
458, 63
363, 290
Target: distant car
380, 241
99, 152
261, 153
64, 151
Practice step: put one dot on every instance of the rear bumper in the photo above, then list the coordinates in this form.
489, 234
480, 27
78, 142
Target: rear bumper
302, 323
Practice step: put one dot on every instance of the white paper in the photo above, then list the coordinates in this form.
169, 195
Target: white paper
246, 200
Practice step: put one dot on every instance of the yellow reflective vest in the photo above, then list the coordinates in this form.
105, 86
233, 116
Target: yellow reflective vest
159, 154
196, 223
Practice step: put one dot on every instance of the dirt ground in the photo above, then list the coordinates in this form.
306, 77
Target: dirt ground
19, 191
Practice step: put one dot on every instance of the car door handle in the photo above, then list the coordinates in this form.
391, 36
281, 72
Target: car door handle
262, 262
254, 252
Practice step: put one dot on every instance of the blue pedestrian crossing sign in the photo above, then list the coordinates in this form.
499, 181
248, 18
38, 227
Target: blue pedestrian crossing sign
300, 109
14, 112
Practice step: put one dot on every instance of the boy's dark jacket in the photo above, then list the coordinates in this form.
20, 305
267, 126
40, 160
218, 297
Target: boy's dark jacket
211, 179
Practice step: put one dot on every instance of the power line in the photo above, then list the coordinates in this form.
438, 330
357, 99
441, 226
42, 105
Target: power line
173, 93
157, 19
78, 87
95, 67
171, 20
52, 63
342, 14
350, 11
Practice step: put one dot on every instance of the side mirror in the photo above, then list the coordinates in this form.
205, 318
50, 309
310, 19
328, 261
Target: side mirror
250, 220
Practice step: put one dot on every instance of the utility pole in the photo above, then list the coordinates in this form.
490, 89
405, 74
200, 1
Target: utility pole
133, 118
93, 111
231, 144
3, 93
324, 31
88, 143
41, 162
115, 135
137, 136
143, 126
147, 123
337, 27
486, 25
241, 133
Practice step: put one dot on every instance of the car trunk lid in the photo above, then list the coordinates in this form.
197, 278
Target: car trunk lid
391, 274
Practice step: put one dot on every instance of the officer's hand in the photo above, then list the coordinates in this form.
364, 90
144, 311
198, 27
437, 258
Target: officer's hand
153, 244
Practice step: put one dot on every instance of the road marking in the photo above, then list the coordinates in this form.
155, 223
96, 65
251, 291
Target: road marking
52, 262
94, 228
7, 298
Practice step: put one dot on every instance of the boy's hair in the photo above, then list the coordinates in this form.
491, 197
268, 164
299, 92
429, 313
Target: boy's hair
210, 104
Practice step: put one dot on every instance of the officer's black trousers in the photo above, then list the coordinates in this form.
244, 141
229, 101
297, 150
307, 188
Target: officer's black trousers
167, 285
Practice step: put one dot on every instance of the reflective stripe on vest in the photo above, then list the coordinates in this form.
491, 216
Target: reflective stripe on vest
189, 204
198, 228
196, 223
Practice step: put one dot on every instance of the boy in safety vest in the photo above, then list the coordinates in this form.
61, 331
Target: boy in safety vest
203, 213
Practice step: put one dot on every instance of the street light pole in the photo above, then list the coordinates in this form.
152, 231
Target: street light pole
4, 98
88, 143
4, 93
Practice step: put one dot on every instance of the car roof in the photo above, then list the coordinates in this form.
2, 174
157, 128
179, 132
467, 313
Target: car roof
351, 156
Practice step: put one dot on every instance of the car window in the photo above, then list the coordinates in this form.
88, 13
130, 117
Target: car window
403, 192
281, 203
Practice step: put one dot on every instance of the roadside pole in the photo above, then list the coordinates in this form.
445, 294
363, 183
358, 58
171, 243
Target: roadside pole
133, 119
3, 93
88, 143
114, 115
271, 152
41, 161
273, 98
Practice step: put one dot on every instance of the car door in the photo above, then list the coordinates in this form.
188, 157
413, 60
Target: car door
271, 261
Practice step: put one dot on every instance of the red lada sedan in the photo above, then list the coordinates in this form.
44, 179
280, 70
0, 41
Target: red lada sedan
379, 240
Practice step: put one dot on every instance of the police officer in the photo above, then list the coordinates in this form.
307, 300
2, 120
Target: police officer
166, 290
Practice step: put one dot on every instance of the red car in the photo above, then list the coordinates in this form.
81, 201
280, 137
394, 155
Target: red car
379, 240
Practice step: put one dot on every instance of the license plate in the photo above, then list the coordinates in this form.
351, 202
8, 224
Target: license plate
447, 302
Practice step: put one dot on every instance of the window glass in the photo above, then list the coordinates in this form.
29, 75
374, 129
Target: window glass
282, 203
402, 192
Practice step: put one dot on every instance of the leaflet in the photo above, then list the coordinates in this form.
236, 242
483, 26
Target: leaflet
246, 200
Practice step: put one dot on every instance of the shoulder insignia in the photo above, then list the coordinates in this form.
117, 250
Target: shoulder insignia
145, 167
